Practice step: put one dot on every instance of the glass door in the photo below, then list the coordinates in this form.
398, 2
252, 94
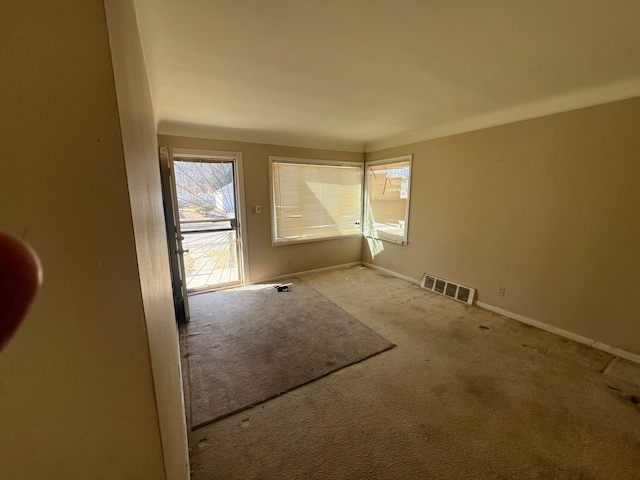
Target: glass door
208, 224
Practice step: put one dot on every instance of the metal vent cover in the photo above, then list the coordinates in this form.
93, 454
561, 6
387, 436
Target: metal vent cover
428, 283
453, 290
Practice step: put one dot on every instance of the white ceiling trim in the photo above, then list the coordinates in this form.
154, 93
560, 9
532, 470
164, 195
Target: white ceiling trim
548, 106
257, 136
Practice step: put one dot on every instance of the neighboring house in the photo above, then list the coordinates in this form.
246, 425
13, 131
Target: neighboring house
223, 199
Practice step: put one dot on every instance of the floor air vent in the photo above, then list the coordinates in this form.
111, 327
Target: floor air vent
452, 290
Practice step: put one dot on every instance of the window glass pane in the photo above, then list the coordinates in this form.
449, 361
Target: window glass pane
316, 201
204, 189
387, 200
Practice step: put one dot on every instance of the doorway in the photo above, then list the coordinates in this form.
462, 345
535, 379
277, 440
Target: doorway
203, 209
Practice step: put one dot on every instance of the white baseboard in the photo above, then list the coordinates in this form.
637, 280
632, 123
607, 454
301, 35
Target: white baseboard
306, 272
392, 273
618, 352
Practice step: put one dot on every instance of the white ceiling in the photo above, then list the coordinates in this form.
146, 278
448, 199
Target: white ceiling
371, 74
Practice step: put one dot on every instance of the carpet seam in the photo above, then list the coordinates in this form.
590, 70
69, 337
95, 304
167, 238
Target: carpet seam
356, 318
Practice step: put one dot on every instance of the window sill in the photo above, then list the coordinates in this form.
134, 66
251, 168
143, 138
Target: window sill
281, 243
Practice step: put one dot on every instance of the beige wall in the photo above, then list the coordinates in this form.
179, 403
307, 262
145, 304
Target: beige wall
76, 388
266, 261
139, 140
546, 207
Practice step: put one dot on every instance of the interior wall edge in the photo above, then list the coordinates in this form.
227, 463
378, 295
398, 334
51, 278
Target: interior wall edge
140, 152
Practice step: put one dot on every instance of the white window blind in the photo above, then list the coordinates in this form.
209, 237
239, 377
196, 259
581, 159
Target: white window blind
314, 201
387, 199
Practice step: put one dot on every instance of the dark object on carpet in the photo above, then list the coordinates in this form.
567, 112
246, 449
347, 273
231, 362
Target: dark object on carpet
250, 344
284, 287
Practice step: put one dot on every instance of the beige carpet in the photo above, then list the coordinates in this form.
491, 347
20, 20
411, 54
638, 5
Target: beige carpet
250, 344
452, 400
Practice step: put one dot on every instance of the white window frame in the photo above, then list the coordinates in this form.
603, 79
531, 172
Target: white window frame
367, 232
307, 161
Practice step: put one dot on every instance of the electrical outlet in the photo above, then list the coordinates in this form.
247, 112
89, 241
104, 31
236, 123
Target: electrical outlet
287, 262
501, 290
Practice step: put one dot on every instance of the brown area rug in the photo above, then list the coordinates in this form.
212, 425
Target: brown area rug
250, 344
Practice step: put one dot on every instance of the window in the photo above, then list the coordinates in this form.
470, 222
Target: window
315, 199
386, 207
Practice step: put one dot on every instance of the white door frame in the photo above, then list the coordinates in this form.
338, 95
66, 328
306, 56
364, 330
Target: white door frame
241, 212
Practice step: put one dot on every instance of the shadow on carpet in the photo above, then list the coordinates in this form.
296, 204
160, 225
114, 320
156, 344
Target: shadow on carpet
250, 344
